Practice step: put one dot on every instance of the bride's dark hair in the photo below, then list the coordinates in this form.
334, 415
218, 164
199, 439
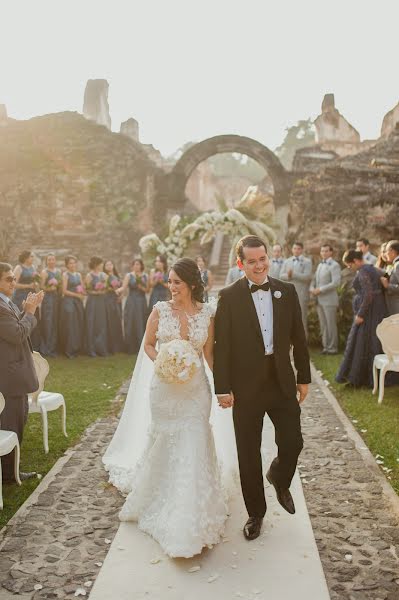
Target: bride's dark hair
187, 270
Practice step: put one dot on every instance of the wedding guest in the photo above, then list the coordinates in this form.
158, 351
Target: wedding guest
233, 274
96, 330
276, 261
391, 283
17, 372
382, 259
323, 288
27, 280
363, 246
206, 276
136, 310
71, 324
369, 309
113, 306
298, 270
50, 282
158, 281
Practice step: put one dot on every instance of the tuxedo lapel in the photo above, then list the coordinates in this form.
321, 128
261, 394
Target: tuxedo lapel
274, 287
249, 306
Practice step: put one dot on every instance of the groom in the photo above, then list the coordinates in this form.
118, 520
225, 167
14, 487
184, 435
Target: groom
257, 320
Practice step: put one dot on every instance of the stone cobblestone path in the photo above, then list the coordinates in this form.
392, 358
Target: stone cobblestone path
55, 547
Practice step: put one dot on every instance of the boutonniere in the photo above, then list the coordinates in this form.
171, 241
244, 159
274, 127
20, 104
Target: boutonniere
277, 294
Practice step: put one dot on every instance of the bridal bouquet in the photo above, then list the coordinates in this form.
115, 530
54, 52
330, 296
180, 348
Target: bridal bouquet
177, 361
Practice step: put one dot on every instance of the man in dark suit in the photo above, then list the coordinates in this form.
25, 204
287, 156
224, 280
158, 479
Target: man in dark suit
257, 320
17, 371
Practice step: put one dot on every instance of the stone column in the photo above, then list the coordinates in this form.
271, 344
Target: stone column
95, 106
131, 129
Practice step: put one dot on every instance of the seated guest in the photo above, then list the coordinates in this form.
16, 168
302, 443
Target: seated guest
369, 309
17, 372
27, 280
206, 276
391, 283
276, 261
363, 246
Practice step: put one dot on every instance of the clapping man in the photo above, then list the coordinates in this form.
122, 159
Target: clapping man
298, 270
363, 245
391, 284
17, 372
324, 289
276, 261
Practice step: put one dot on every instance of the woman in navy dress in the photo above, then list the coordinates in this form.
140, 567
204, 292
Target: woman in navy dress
113, 306
369, 310
28, 280
206, 276
71, 325
96, 331
51, 283
159, 282
136, 309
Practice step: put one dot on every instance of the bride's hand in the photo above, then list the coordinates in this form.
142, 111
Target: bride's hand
226, 400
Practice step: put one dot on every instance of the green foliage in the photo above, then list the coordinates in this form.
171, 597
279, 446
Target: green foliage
379, 422
297, 136
88, 386
236, 165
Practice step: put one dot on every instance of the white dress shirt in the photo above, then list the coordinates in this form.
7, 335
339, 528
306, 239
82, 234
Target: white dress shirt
264, 309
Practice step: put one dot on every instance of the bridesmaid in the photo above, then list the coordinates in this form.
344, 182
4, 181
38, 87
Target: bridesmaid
96, 314
159, 281
113, 306
136, 310
72, 311
206, 276
27, 280
50, 282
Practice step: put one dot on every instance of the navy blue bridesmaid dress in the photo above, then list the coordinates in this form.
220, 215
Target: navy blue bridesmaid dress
50, 313
27, 277
96, 331
71, 324
159, 292
135, 315
113, 307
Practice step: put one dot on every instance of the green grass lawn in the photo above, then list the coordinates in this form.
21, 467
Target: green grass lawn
88, 386
378, 424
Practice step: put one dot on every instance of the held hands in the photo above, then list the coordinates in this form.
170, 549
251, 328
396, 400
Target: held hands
32, 302
302, 391
226, 400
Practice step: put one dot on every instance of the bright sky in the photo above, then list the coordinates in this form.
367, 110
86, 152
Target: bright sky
188, 70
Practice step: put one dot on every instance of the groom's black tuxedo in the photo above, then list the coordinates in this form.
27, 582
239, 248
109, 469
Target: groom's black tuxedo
261, 383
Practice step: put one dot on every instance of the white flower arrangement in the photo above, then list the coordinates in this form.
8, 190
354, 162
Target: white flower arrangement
177, 362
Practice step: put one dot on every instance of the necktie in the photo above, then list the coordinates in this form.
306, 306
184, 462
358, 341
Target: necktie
265, 287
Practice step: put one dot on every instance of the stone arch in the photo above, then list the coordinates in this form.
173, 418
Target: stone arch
182, 170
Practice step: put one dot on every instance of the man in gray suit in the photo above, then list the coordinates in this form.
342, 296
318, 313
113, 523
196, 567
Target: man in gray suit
233, 274
391, 285
17, 371
298, 270
276, 261
363, 245
324, 289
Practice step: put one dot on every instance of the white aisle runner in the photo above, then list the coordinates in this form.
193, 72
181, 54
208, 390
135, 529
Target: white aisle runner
283, 563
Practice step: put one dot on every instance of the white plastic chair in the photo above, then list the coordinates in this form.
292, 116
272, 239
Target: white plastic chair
8, 441
44, 402
388, 334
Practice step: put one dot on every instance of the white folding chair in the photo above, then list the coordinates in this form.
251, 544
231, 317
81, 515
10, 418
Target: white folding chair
8, 441
43, 402
388, 334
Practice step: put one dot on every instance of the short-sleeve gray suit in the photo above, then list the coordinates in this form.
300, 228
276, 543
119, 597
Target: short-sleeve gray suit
327, 278
392, 291
301, 277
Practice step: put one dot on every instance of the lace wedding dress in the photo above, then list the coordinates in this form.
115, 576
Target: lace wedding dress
175, 490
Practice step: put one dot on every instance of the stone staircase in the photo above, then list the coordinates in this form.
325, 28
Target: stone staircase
220, 270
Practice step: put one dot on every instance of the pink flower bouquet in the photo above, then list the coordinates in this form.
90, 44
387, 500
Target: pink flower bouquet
115, 284
79, 289
52, 282
100, 285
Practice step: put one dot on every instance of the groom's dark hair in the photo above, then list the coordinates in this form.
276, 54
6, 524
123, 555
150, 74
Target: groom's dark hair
248, 241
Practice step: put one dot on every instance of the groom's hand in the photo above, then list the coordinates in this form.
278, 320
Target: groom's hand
225, 400
302, 391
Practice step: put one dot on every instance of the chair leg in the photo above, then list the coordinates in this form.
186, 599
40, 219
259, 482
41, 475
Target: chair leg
375, 379
17, 455
1, 487
63, 408
45, 428
382, 384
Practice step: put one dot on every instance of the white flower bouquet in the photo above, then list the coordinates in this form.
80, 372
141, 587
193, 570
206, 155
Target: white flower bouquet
177, 362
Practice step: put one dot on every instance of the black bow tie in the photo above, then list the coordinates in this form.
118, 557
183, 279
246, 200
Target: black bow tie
265, 287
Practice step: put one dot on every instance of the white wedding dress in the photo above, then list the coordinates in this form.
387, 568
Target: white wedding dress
174, 483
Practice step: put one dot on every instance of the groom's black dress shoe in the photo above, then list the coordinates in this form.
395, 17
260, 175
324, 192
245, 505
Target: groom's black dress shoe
252, 528
283, 495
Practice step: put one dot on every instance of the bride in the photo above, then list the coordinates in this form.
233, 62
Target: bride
163, 453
